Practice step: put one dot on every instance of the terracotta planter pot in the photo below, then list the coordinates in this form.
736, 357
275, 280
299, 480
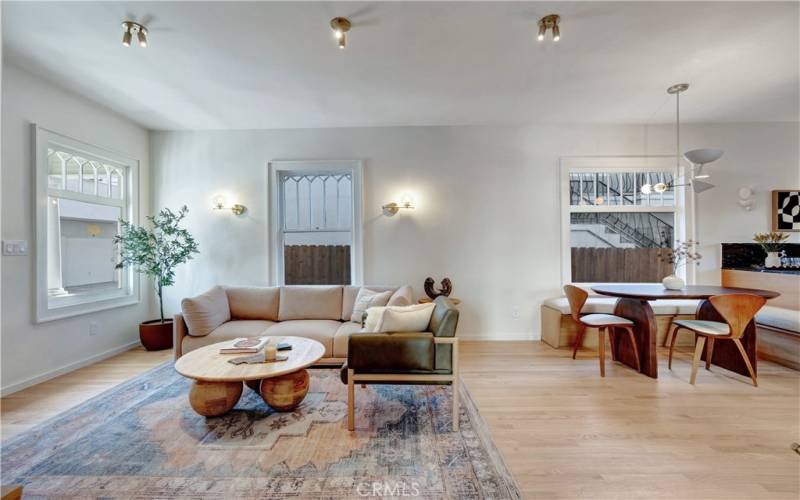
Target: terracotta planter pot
155, 335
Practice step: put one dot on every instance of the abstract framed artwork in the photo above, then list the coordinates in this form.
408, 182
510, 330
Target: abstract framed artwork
786, 210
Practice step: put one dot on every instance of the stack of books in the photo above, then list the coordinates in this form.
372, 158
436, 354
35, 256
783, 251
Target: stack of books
245, 345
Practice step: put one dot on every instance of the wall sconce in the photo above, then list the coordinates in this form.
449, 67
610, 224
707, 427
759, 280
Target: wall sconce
406, 202
219, 204
746, 199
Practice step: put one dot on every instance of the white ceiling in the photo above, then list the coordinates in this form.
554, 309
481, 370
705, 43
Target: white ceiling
226, 65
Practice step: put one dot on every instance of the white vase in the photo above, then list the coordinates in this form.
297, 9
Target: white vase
673, 282
773, 259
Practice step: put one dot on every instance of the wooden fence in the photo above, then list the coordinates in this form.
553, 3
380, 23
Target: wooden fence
614, 265
316, 264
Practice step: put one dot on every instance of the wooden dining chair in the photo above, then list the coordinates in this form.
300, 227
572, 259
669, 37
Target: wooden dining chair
603, 322
738, 310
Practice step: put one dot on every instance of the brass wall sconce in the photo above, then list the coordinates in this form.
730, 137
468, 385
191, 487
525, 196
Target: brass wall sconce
391, 209
219, 204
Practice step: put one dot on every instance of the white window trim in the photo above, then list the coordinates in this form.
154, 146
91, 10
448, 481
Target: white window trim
275, 235
684, 201
44, 312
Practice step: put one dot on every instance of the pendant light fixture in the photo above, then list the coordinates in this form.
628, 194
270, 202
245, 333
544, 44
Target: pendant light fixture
697, 157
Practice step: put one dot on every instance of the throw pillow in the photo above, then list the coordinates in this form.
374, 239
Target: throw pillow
406, 319
365, 299
374, 315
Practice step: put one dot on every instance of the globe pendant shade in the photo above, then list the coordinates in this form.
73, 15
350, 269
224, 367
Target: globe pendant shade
703, 156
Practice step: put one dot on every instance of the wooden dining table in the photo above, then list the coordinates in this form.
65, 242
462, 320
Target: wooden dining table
634, 305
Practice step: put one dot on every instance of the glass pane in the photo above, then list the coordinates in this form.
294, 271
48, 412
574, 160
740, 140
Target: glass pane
73, 174
81, 255
89, 178
54, 170
317, 258
609, 247
103, 183
116, 184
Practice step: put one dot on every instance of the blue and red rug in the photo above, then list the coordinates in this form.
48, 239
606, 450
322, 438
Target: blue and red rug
142, 440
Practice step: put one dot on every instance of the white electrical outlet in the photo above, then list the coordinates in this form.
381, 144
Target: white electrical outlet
515, 312
15, 247
93, 328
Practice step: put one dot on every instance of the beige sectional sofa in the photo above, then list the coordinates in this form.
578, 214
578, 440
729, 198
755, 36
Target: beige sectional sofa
322, 313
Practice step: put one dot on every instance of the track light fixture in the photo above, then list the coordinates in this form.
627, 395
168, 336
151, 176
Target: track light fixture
549, 23
132, 28
340, 26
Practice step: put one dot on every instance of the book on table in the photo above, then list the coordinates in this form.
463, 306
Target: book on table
245, 345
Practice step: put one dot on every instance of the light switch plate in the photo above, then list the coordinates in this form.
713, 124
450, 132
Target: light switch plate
15, 247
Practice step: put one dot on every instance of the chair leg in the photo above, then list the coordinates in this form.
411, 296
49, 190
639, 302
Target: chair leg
351, 401
578, 340
746, 361
698, 352
611, 335
666, 335
456, 371
601, 339
632, 337
672, 344
709, 352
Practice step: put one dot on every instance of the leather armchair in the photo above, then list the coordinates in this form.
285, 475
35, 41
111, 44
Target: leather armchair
429, 357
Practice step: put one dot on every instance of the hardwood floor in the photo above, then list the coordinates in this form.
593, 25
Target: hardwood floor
567, 433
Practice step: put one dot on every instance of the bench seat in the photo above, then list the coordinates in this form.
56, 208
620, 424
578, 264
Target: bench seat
559, 329
780, 318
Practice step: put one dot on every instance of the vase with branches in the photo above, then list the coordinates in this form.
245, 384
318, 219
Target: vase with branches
680, 255
156, 250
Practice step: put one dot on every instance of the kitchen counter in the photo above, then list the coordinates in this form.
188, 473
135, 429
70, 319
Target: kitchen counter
770, 270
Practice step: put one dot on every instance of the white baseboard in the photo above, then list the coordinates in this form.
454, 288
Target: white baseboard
38, 379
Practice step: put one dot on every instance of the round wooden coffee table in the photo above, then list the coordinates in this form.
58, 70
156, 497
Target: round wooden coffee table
217, 383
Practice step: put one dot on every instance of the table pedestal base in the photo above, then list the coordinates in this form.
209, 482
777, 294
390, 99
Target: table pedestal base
285, 392
645, 331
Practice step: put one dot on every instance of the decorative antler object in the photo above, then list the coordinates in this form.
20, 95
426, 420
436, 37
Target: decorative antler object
430, 290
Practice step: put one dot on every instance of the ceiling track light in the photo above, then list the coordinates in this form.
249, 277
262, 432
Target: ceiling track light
133, 28
340, 26
549, 23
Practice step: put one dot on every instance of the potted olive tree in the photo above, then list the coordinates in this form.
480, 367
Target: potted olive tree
156, 251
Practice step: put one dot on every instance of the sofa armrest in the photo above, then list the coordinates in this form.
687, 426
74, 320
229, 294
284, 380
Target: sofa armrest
179, 330
444, 319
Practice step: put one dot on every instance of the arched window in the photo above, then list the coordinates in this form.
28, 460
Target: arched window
54, 170
116, 184
103, 184
73, 167
90, 177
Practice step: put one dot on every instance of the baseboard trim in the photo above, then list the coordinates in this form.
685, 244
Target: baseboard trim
38, 379
501, 337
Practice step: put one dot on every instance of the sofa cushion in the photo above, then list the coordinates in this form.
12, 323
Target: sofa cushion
414, 318
310, 302
252, 302
779, 317
227, 331
349, 293
605, 305
321, 330
342, 337
206, 311
367, 298
403, 296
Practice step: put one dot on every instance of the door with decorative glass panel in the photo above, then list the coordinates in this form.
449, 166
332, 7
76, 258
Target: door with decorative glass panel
316, 221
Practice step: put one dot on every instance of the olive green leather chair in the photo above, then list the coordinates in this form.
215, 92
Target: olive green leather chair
429, 357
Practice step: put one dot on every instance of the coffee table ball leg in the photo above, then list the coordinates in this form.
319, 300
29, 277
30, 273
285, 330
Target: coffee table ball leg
285, 392
212, 399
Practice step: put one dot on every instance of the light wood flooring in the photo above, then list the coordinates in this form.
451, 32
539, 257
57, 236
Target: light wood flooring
567, 433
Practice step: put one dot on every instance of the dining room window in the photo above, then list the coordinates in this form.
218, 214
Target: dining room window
614, 232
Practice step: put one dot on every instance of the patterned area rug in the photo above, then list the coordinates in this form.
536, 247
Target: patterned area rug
142, 440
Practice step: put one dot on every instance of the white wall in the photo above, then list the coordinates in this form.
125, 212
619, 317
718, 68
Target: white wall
32, 352
465, 180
